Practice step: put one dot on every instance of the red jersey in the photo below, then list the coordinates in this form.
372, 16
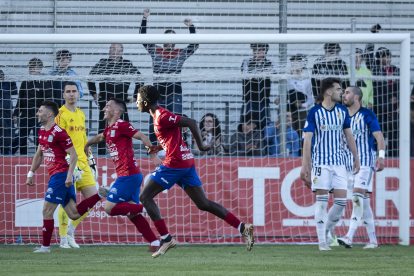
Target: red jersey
119, 142
53, 144
177, 155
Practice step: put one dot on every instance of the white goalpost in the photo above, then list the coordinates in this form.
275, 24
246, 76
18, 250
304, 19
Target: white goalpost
232, 39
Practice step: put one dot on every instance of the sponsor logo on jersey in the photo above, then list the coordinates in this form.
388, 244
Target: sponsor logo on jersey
172, 119
71, 120
50, 139
331, 127
162, 178
187, 156
49, 191
356, 132
113, 190
113, 133
184, 148
69, 141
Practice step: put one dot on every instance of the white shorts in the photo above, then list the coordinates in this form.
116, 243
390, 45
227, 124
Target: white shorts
329, 178
362, 180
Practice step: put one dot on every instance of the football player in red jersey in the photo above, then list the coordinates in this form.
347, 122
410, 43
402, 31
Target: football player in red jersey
123, 197
54, 145
178, 167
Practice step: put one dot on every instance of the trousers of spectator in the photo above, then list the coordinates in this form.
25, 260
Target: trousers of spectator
6, 126
26, 126
298, 123
105, 97
261, 110
173, 103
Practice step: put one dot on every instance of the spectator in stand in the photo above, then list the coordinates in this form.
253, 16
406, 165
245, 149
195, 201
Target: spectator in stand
31, 96
63, 58
412, 129
319, 99
7, 89
115, 64
211, 135
168, 60
365, 85
272, 135
256, 91
386, 92
330, 64
247, 140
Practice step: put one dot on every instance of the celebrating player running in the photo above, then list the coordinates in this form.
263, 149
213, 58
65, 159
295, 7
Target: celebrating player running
365, 127
123, 197
327, 121
178, 167
54, 144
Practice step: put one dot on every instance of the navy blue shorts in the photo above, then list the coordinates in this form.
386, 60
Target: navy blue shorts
57, 192
125, 189
167, 177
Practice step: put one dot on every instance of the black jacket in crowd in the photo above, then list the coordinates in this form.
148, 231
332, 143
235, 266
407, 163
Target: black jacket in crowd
112, 88
31, 96
324, 67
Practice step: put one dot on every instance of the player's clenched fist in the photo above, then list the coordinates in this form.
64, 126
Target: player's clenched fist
305, 174
146, 13
69, 181
29, 181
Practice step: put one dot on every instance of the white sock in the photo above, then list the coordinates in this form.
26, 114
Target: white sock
63, 239
144, 210
368, 218
238, 228
334, 214
155, 243
165, 236
357, 211
45, 247
71, 229
320, 216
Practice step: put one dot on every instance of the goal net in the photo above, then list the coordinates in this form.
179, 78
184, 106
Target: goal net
225, 81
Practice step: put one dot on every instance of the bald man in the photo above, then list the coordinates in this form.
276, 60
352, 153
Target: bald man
114, 65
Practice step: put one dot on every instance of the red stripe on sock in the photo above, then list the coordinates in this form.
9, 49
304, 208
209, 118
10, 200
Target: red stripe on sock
48, 226
125, 209
161, 228
86, 204
143, 227
232, 220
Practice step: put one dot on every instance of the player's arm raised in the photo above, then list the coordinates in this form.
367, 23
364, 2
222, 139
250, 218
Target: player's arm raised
37, 161
379, 163
147, 143
72, 165
95, 140
350, 140
305, 172
192, 125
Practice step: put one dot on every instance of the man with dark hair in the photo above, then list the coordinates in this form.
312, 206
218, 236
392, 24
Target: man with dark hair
31, 96
115, 64
7, 89
324, 170
178, 167
168, 60
256, 90
386, 92
63, 58
248, 140
330, 64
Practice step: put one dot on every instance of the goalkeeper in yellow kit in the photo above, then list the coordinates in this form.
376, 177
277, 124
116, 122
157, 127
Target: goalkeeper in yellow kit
72, 119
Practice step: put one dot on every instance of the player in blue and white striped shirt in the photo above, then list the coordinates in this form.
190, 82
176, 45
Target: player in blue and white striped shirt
365, 127
326, 122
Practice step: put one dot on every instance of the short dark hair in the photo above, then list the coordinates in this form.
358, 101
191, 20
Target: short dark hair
70, 83
169, 31
62, 54
121, 104
52, 106
149, 93
332, 47
319, 98
35, 62
328, 83
382, 52
357, 91
298, 57
258, 46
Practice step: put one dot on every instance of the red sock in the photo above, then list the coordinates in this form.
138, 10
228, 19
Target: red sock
143, 227
48, 225
86, 204
125, 209
161, 228
232, 220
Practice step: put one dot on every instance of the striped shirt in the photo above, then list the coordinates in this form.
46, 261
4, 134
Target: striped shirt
327, 127
363, 124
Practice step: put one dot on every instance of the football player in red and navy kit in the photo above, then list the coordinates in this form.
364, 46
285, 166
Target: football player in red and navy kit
54, 145
178, 168
123, 197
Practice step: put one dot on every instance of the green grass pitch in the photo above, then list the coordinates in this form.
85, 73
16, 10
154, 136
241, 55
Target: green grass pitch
208, 260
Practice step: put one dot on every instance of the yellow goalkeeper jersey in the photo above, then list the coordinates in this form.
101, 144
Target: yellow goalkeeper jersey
74, 124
